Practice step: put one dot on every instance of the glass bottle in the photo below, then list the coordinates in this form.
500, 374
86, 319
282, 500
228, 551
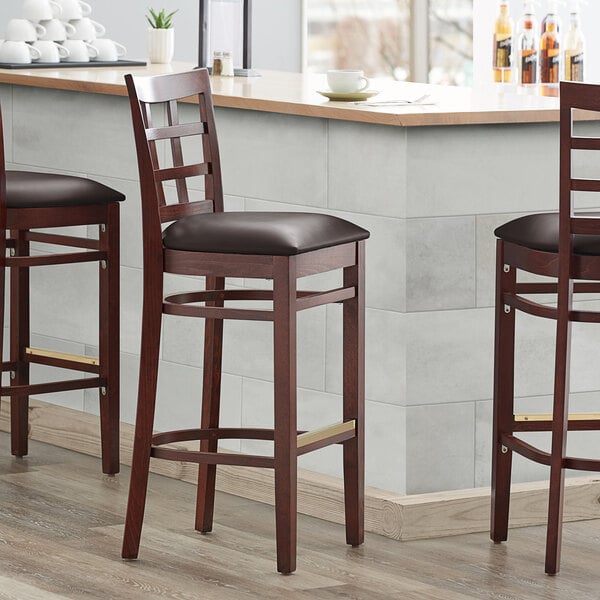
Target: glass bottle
503, 32
527, 45
574, 47
550, 66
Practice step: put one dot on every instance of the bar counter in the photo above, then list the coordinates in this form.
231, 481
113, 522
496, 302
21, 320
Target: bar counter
430, 182
296, 94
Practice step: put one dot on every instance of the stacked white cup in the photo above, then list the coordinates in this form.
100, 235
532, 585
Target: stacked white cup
51, 31
87, 35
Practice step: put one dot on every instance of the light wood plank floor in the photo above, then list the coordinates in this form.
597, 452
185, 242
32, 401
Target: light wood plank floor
60, 533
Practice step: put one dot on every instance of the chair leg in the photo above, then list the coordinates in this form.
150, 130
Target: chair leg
109, 341
503, 398
3, 268
19, 340
284, 306
559, 426
211, 397
354, 399
149, 354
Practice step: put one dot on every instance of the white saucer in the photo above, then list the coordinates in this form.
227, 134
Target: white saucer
348, 96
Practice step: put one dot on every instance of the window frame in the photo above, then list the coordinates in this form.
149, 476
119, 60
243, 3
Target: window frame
419, 48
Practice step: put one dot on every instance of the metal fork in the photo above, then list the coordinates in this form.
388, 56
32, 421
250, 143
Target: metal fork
420, 100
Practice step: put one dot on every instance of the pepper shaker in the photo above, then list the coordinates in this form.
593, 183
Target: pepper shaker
217, 67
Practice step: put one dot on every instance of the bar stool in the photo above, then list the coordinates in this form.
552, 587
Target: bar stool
31, 201
203, 240
565, 246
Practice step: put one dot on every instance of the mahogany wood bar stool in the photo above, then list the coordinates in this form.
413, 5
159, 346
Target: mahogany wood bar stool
31, 201
564, 246
203, 240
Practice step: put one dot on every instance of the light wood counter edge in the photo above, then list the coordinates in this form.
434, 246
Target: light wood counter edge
14, 77
337, 111
409, 117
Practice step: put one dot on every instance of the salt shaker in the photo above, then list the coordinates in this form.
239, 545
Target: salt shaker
227, 65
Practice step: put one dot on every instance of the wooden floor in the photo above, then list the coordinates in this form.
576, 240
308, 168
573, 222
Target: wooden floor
60, 534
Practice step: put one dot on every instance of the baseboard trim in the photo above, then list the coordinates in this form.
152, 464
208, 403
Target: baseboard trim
398, 517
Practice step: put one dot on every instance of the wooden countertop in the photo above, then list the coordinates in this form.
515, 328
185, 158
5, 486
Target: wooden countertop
296, 94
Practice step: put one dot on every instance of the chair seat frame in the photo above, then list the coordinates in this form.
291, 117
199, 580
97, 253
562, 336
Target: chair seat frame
20, 224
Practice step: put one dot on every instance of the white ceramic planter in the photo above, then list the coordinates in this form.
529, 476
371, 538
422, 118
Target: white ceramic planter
161, 45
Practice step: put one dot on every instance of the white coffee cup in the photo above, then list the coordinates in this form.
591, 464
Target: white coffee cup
346, 81
74, 9
18, 52
22, 30
108, 51
79, 51
86, 29
50, 52
56, 31
40, 10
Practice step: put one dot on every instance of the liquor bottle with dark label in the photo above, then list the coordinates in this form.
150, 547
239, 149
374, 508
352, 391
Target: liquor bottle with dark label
527, 45
550, 63
574, 46
503, 33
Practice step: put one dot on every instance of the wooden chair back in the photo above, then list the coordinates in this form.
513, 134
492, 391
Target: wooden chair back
2, 181
573, 97
155, 99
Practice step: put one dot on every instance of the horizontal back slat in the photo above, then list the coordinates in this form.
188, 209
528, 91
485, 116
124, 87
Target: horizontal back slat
585, 185
172, 212
170, 87
585, 225
182, 172
580, 96
582, 143
175, 131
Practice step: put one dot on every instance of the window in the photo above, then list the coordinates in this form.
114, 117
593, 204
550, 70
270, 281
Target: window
418, 40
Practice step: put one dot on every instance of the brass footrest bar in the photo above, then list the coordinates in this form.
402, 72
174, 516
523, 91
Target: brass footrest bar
75, 358
548, 417
535, 454
543, 422
54, 386
332, 434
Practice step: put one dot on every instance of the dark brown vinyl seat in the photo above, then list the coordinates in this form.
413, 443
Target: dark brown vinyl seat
31, 201
29, 189
265, 233
541, 232
199, 238
564, 247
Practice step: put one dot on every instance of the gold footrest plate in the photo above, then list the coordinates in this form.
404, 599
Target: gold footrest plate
548, 417
310, 437
85, 360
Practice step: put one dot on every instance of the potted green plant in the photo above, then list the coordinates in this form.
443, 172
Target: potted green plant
161, 36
